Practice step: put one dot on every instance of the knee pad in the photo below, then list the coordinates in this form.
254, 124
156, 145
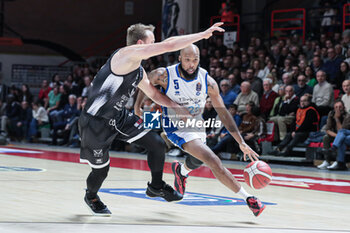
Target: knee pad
192, 162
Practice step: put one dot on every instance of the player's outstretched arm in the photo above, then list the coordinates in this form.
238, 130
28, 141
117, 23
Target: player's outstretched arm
227, 119
144, 51
161, 99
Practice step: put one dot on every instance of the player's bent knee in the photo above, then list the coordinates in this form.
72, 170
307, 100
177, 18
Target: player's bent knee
101, 172
192, 162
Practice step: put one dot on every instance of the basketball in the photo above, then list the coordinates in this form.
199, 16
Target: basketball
257, 174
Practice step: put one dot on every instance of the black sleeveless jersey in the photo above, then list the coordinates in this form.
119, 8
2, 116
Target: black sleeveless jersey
110, 92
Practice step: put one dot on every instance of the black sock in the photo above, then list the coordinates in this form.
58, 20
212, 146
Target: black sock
157, 180
90, 195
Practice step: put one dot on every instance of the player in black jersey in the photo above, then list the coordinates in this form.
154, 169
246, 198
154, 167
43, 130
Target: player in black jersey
105, 117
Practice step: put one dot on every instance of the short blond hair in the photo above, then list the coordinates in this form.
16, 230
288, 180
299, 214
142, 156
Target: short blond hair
137, 32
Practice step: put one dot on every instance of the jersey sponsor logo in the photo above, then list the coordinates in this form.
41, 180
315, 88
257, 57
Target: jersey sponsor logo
190, 198
152, 120
98, 153
20, 169
198, 89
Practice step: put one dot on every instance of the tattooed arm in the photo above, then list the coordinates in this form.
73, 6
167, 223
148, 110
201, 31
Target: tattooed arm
156, 77
227, 119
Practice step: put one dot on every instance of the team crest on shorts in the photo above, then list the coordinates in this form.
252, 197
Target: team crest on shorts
98, 153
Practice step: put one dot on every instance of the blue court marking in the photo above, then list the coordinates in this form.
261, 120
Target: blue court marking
20, 169
192, 199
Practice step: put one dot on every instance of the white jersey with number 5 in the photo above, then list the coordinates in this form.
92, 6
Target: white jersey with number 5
191, 94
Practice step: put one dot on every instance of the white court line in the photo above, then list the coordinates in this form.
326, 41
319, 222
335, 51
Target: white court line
109, 228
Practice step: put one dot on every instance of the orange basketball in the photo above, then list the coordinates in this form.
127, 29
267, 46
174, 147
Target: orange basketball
257, 174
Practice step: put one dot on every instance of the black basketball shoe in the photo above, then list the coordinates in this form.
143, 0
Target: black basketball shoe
97, 207
166, 192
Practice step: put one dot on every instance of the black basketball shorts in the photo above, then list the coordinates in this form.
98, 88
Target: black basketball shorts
97, 135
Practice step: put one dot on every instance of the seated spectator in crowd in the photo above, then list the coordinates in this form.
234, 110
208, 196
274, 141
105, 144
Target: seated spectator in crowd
216, 135
337, 119
56, 115
331, 67
346, 97
22, 126
343, 74
70, 112
4, 90
26, 94
87, 82
227, 94
275, 85
310, 77
40, 118
44, 92
255, 82
287, 79
307, 120
54, 99
301, 88
284, 113
55, 81
341, 141
73, 140
3, 118
209, 113
245, 97
234, 84
323, 94
13, 112
268, 98
316, 64
248, 127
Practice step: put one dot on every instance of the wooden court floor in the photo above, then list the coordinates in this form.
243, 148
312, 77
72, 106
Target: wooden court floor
42, 190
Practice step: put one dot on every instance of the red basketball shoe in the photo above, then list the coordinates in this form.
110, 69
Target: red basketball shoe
255, 205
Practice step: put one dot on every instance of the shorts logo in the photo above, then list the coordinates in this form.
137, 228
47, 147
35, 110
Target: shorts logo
151, 120
98, 153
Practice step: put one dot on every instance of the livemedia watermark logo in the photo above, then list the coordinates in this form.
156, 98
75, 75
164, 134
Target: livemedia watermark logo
154, 120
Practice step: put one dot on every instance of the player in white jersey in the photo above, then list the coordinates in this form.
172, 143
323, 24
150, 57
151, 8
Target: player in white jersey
188, 85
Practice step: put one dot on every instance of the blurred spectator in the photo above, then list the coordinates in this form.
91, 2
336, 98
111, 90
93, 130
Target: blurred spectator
3, 90
258, 68
22, 126
301, 88
54, 99
3, 118
332, 66
55, 81
209, 113
87, 82
323, 95
70, 112
287, 79
328, 18
172, 60
268, 98
343, 74
234, 84
13, 112
337, 119
245, 97
284, 113
316, 64
227, 94
40, 118
255, 82
346, 97
310, 77
26, 94
307, 120
44, 92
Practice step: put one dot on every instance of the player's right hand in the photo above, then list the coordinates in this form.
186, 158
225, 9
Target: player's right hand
183, 113
209, 32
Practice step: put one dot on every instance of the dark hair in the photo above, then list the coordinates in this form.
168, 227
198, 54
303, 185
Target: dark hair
233, 106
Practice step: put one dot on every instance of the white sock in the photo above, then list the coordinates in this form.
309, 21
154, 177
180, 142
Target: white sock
184, 170
244, 193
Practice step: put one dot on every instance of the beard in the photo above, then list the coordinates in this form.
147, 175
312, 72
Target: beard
187, 75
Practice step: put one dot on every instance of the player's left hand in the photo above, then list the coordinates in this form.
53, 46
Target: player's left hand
209, 32
253, 156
